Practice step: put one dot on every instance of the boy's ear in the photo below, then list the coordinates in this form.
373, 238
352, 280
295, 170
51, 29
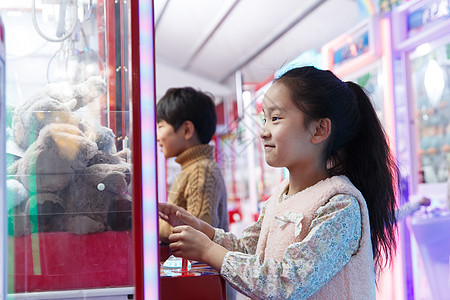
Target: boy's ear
189, 129
321, 130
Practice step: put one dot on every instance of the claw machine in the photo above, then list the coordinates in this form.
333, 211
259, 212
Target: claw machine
78, 105
421, 40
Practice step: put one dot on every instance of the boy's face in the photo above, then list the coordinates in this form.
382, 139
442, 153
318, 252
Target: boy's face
171, 141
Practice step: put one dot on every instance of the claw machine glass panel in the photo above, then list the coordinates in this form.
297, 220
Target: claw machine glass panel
422, 42
74, 166
431, 90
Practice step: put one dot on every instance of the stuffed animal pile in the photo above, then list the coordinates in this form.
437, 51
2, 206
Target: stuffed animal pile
68, 175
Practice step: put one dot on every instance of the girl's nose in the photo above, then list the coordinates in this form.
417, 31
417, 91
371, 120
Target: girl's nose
264, 133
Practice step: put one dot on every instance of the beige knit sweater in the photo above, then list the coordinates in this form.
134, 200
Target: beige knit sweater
199, 188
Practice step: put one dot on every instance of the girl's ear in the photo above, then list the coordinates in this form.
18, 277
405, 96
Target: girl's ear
189, 129
322, 130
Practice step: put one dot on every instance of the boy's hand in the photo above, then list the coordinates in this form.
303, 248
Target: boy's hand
176, 216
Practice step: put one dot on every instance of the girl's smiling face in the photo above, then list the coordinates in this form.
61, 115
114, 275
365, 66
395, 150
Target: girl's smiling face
287, 143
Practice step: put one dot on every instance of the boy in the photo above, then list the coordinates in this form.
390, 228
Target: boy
186, 123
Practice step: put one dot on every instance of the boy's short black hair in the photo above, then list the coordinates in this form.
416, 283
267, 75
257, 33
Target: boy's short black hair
187, 104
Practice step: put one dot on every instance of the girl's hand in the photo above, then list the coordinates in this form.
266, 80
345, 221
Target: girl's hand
176, 216
425, 201
193, 244
188, 242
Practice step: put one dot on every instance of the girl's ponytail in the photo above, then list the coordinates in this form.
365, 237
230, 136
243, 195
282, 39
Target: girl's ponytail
370, 165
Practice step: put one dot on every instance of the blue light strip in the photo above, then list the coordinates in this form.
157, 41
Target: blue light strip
149, 171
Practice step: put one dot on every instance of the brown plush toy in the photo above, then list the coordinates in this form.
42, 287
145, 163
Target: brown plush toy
98, 199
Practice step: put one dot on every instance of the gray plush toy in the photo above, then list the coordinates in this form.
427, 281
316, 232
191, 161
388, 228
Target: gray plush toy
52, 160
98, 200
56, 103
69, 177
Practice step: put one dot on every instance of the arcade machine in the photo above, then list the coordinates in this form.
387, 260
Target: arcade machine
363, 55
79, 108
421, 40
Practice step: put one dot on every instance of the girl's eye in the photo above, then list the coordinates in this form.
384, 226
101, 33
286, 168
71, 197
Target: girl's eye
262, 119
275, 119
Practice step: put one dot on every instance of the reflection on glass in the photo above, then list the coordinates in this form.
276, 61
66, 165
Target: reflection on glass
75, 61
434, 82
431, 90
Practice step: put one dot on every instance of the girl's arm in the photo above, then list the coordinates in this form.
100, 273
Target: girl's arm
250, 236
307, 265
410, 207
194, 241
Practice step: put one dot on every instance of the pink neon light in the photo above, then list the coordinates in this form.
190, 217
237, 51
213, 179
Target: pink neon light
391, 283
389, 110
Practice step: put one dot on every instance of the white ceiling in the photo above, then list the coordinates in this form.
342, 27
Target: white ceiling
212, 39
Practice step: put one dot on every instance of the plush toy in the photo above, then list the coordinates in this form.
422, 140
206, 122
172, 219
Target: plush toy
104, 137
84, 93
68, 176
56, 103
77, 188
52, 160
98, 199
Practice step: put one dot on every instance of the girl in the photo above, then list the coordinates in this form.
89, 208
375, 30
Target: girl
323, 232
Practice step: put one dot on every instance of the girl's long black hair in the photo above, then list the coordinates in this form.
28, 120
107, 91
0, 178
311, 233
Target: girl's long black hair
357, 146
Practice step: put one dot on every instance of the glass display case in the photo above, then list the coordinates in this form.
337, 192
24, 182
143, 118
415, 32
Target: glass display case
430, 87
431, 105
79, 107
421, 40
